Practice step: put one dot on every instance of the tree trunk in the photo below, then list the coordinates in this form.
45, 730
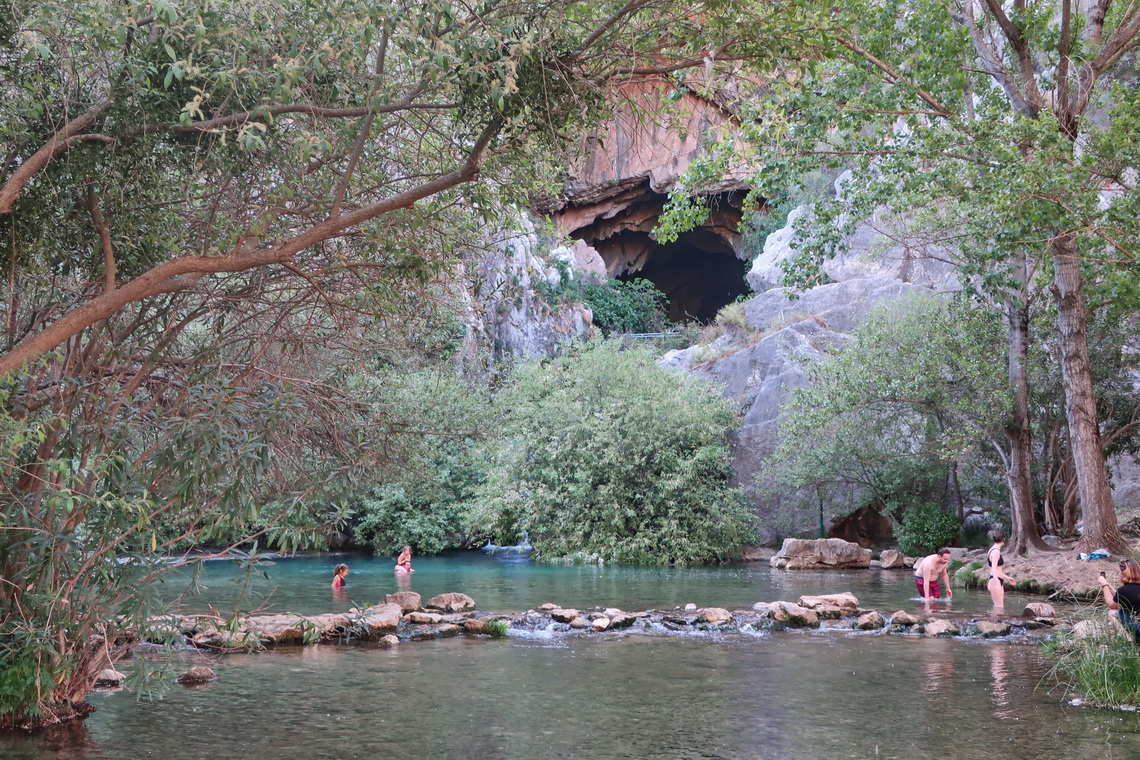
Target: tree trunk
1024, 534
1097, 508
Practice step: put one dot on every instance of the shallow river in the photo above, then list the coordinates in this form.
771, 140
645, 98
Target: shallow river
617, 695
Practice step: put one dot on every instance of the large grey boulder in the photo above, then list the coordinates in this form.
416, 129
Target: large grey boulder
382, 618
451, 602
409, 601
797, 553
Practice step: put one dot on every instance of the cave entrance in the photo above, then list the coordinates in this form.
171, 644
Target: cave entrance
700, 273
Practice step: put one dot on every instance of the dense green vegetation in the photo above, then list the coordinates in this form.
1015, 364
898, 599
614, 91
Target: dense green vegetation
607, 456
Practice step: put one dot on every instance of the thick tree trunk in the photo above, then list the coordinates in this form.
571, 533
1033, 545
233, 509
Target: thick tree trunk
1097, 508
1024, 534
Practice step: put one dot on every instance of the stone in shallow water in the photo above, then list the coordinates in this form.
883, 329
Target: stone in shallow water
563, 616
792, 615
452, 602
715, 615
196, 675
409, 601
110, 677
579, 623
424, 618
690, 607
941, 628
869, 621
991, 628
600, 624
1039, 610
902, 617
475, 626
382, 617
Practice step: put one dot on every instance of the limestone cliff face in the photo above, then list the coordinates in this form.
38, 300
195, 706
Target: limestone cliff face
762, 375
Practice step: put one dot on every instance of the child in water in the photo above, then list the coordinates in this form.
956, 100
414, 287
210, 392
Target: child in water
404, 561
340, 572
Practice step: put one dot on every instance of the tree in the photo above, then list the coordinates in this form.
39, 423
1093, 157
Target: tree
983, 112
221, 223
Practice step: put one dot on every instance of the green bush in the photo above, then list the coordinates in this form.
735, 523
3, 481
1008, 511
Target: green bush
607, 456
618, 306
926, 527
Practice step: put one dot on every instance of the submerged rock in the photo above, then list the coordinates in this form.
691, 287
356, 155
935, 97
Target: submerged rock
197, 675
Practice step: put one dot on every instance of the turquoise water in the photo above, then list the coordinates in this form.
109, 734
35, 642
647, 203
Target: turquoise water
629, 694
508, 582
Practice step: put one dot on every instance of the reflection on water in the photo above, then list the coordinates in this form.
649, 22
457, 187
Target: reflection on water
794, 695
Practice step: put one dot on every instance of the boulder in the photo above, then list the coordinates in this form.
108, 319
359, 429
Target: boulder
600, 624
548, 606
197, 675
715, 616
389, 640
622, 620
820, 552
902, 617
211, 637
792, 615
474, 625
580, 622
941, 628
110, 677
452, 602
409, 601
1039, 610
690, 607
1092, 629
990, 628
448, 629
845, 601
563, 616
382, 618
869, 621
424, 618
288, 629
890, 559
612, 612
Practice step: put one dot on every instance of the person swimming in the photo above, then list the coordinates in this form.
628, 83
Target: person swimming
340, 572
404, 561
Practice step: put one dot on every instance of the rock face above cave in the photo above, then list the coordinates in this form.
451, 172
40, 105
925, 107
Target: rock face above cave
618, 189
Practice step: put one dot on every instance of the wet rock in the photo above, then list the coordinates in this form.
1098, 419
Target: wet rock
990, 628
820, 552
892, 560
458, 618
382, 618
563, 616
1039, 610
612, 612
110, 677
869, 621
902, 617
792, 615
549, 606
622, 620
831, 606
223, 639
409, 601
289, 629
475, 626
424, 618
579, 623
941, 628
1041, 622
448, 629
600, 624
690, 607
452, 602
197, 675
389, 640
715, 616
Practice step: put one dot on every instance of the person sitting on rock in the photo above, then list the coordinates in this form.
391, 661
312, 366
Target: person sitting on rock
404, 561
340, 572
1126, 599
928, 571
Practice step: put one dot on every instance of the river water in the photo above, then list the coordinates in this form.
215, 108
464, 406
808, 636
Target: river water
616, 695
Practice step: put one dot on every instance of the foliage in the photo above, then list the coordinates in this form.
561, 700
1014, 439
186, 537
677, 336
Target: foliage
926, 527
497, 628
919, 382
1103, 669
606, 456
618, 306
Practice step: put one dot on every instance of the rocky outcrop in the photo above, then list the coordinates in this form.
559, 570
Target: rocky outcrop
382, 618
798, 553
409, 601
892, 560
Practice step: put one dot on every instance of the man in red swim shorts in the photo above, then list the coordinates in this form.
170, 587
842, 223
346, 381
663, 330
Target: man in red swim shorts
928, 571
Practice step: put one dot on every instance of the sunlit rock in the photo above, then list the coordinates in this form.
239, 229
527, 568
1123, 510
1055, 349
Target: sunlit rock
891, 559
110, 677
563, 616
197, 675
902, 617
600, 623
1039, 610
382, 617
869, 621
792, 615
941, 628
452, 602
715, 616
424, 618
991, 628
409, 601
580, 622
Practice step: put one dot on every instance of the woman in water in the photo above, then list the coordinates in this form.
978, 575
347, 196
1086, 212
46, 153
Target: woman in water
994, 561
340, 572
1126, 599
404, 561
